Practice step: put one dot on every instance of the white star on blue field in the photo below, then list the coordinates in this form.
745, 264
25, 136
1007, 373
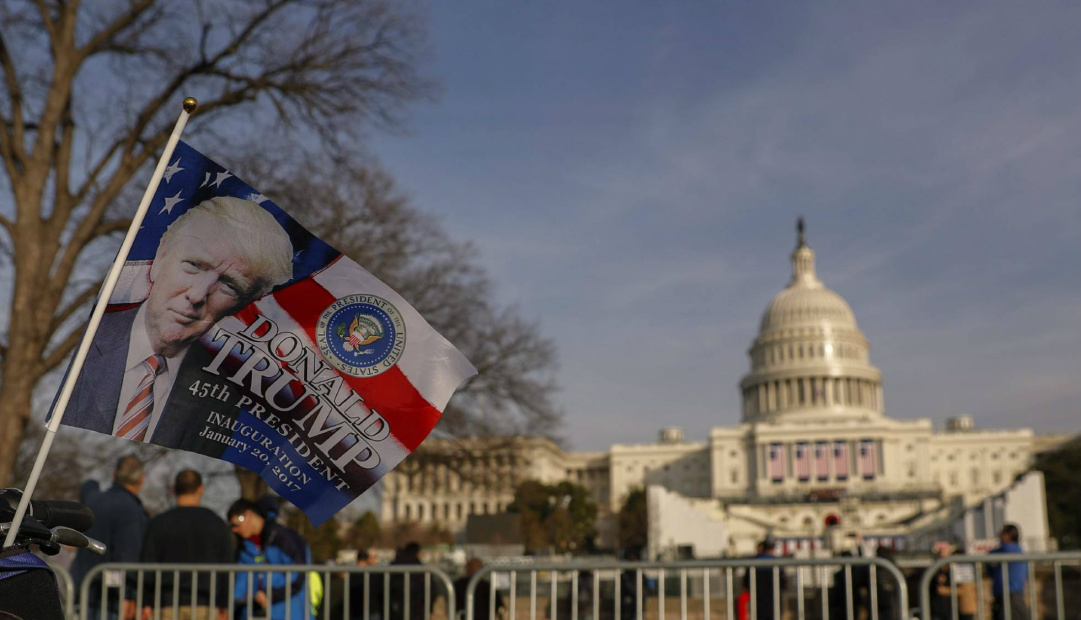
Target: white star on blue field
632, 173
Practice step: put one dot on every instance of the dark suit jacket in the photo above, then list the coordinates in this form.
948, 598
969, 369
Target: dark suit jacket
94, 401
96, 396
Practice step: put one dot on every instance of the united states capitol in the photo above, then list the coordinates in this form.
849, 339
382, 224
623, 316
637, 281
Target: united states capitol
814, 460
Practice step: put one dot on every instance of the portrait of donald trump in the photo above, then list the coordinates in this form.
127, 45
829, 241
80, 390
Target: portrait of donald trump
214, 260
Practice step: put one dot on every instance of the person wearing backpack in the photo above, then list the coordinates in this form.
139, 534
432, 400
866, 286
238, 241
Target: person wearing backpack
263, 541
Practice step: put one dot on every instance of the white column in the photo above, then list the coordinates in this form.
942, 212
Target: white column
760, 457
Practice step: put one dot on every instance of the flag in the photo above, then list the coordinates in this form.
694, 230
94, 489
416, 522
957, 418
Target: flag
803, 462
840, 460
776, 462
235, 333
822, 461
867, 459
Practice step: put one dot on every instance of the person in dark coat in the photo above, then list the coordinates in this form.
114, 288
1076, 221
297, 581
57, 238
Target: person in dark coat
409, 555
358, 600
188, 534
482, 601
628, 588
764, 583
839, 599
119, 522
885, 586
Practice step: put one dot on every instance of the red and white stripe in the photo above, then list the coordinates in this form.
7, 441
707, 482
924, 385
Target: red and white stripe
776, 462
803, 462
867, 459
431, 365
840, 460
137, 414
822, 460
411, 395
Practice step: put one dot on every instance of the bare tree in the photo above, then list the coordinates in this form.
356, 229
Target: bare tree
88, 95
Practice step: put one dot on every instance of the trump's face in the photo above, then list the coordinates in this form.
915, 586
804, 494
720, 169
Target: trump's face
196, 281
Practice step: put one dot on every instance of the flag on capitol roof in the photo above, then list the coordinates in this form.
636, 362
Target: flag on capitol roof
236, 333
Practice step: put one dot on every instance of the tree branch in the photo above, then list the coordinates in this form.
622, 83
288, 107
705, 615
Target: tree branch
11, 146
104, 38
63, 160
80, 299
47, 21
60, 353
126, 143
91, 225
106, 228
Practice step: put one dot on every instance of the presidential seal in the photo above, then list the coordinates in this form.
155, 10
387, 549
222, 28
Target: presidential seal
361, 335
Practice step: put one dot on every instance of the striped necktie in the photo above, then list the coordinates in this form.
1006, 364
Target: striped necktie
137, 414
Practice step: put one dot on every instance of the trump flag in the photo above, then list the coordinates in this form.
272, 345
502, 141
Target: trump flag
235, 333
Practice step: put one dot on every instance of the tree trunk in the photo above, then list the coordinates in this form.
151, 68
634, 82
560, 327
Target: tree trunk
15, 398
252, 486
20, 364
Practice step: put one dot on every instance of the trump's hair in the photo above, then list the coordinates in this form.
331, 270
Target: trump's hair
260, 240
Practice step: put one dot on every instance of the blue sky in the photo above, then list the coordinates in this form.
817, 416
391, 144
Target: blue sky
632, 171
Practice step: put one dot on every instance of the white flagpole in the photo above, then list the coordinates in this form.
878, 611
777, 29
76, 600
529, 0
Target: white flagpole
190, 104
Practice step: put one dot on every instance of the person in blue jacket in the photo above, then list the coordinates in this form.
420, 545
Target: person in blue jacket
1016, 574
264, 541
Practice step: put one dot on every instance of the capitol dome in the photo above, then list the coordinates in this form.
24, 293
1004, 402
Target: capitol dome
810, 360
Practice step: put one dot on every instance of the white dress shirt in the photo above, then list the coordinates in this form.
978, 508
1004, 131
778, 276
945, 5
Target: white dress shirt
134, 371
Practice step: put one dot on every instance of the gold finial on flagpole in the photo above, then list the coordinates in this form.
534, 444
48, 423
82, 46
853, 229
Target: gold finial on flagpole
190, 104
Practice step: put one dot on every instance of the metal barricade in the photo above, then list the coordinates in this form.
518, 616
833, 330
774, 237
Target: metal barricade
66, 585
387, 592
621, 590
1005, 605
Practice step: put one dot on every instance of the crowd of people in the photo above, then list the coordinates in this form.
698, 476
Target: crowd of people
953, 586
190, 533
